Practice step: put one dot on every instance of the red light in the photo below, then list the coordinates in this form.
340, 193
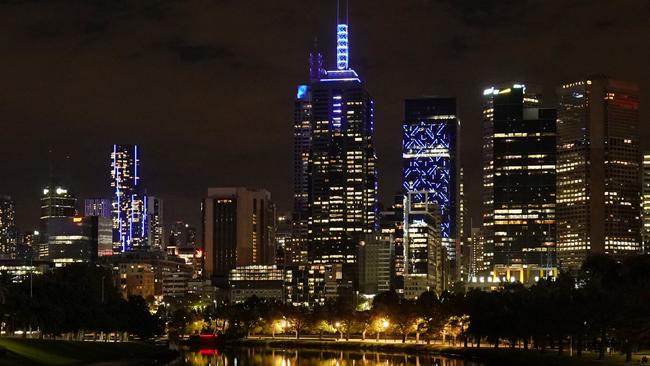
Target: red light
199, 253
208, 352
207, 336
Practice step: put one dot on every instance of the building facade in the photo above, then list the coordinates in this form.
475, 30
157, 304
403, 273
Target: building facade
76, 239
645, 214
56, 201
8, 232
238, 230
599, 170
518, 178
155, 228
128, 201
430, 154
425, 255
98, 207
342, 173
375, 260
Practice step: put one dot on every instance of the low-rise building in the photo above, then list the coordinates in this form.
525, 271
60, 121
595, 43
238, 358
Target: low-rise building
262, 281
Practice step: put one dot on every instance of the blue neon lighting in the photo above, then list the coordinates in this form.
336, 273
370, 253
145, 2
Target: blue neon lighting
302, 92
342, 50
426, 150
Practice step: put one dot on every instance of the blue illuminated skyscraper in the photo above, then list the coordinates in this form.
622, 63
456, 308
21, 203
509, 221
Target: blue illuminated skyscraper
340, 177
128, 201
431, 163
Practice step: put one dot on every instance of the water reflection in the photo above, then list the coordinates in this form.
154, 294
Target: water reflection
273, 357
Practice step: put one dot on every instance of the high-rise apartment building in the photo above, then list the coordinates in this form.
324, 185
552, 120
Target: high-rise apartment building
238, 230
599, 172
430, 154
98, 207
8, 233
128, 201
518, 178
342, 175
646, 203
154, 223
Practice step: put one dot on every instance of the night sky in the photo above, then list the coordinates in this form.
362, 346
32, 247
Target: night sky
207, 87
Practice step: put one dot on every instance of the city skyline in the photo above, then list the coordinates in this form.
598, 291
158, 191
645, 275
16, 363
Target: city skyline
194, 63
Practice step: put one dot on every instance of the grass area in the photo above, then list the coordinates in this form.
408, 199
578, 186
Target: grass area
37, 352
501, 356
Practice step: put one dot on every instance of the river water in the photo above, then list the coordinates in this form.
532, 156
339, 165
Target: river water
278, 357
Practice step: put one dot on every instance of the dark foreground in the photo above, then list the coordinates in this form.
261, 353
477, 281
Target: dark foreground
28, 352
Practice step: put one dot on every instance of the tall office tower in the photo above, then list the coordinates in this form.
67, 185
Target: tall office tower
182, 236
431, 164
425, 255
238, 230
8, 233
128, 202
98, 207
56, 201
599, 173
518, 178
391, 224
646, 203
342, 181
154, 221
296, 249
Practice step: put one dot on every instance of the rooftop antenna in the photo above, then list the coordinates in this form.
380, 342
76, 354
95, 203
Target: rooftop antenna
342, 50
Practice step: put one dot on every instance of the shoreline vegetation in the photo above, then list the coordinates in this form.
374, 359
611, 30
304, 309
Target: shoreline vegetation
36, 352
487, 355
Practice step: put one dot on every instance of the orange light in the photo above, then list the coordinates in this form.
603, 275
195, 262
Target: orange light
199, 253
76, 219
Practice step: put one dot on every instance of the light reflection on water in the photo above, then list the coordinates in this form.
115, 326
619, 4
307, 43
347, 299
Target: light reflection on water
275, 357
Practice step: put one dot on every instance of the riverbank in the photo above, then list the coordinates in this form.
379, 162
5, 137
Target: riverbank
36, 352
491, 356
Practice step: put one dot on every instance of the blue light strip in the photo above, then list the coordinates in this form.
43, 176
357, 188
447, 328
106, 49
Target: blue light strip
342, 51
426, 152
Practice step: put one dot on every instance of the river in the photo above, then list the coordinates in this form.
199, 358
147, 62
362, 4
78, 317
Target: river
279, 357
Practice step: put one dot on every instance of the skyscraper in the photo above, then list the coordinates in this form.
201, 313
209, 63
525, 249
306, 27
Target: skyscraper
56, 201
97, 207
518, 178
424, 254
154, 222
128, 201
8, 233
431, 163
599, 173
342, 175
296, 248
646, 203
238, 230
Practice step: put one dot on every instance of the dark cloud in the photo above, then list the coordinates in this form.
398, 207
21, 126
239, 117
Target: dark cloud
196, 53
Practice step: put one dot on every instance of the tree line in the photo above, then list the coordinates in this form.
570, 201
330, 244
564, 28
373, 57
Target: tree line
605, 305
73, 301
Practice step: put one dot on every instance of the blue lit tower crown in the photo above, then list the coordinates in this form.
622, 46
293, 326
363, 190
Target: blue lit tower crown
430, 158
336, 177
